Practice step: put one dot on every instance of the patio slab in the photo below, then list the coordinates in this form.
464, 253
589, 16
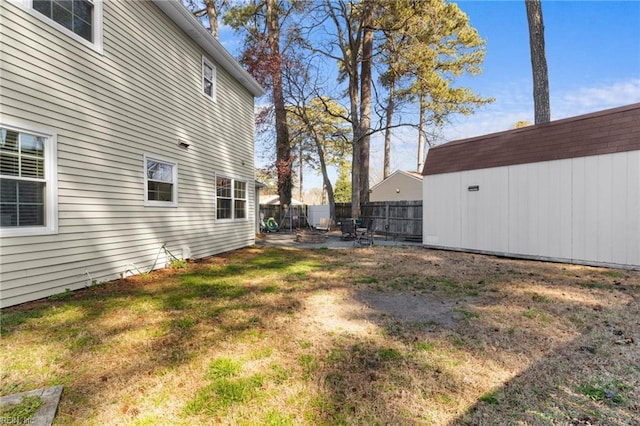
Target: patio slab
45, 414
333, 241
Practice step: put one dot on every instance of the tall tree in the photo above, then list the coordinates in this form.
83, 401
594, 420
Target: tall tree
442, 46
261, 20
542, 109
391, 24
343, 184
320, 123
209, 10
366, 81
351, 46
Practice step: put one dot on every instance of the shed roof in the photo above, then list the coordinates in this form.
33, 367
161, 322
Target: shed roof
603, 132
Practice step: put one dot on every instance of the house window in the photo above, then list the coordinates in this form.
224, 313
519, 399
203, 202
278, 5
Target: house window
80, 19
231, 198
28, 193
161, 182
240, 200
74, 15
208, 79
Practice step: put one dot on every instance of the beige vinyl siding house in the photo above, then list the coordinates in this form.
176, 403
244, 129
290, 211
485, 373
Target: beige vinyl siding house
399, 186
118, 151
568, 190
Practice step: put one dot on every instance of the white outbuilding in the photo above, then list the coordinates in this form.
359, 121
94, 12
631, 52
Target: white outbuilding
568, 190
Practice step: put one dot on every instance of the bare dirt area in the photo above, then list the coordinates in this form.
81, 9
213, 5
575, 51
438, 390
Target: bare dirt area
383, 335
503, 340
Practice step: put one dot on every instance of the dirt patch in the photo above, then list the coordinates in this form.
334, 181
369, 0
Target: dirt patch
337, 313
410, 307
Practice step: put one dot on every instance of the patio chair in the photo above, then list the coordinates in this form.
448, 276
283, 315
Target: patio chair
364, 236
324, 225
348, 229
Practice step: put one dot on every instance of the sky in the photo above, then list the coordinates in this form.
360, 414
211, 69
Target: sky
593, 59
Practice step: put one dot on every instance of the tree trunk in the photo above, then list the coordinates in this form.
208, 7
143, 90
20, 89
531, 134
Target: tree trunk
327, 182
422, 132
354, 100
365, 99
538, 62
357, 141
300, 170
212, 15
283, 147
387, 132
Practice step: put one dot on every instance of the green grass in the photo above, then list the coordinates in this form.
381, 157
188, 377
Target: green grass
425, 346
179, 263
282, 337
539, 298
467, 314
223, 367
309, 364
613, 274
388, 354
367, 280
489, 398
22, 412
276, 418
224, 393
613, 392
535, 313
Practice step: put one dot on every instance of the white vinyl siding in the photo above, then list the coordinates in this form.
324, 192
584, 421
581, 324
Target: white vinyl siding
107, 113
583, 210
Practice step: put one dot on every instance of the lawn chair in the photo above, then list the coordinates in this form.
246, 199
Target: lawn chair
324, 225
348, 229
364, 236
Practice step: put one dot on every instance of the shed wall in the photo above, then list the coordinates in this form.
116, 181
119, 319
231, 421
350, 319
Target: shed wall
582, 210
139, 97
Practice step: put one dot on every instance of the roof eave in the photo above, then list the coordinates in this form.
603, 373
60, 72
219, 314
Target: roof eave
188, 23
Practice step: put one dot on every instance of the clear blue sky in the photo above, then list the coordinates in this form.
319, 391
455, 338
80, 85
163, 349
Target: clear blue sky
593, 57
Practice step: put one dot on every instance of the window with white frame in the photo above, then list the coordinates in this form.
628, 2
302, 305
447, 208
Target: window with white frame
231, 198
208, 79
161, 182
80, 19
28, 185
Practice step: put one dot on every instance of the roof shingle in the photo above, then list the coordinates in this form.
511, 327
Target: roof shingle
603, 132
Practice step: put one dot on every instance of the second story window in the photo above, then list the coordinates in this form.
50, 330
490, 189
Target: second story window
208, 79
74, 15
80, 20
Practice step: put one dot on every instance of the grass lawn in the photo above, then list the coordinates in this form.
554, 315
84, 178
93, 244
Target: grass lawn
383, 335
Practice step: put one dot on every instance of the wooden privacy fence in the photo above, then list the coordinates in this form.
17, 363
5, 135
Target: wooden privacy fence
396, 219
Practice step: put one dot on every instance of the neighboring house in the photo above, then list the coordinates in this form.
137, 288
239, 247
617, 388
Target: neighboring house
399, 186
126, 136
274, 200
567, 190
